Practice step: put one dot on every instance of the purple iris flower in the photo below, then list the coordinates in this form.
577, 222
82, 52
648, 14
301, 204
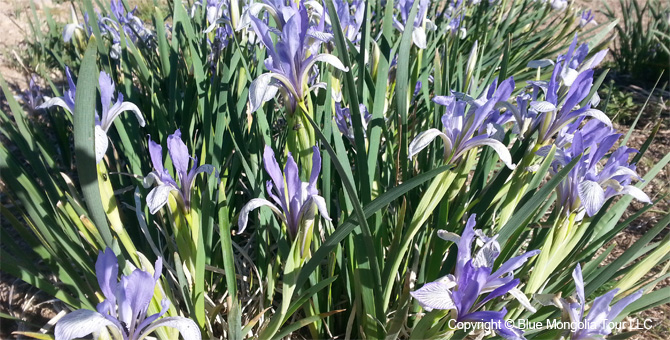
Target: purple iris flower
589, 184
465, 130
124, 310
586, 18
351, 24
181, 160
110, 109
344, 122
127, 22
33, 95
596, 324
295, 202
289, 61
474, 276
420, 24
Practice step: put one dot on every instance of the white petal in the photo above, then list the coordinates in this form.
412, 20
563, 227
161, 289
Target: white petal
187, 328
434, 295
540, 63
101, 143
251, 205
542, 106
569, 75
500, 149
487, 255
523, 300
261, 91
422, 140
327, 58
636, 193
592, 196
125, 106
158, 197
56, 101
68, 32
419, 37
449, 236
321, 205
622, 170
150, 179
599, 115
79, 324
595, 100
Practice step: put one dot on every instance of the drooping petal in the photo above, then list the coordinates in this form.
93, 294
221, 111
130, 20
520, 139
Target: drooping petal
187, 328
101, 143
107, 270
251, 205
599, 115
158, 197
424, 138
261, 90
327, 58
434, 295
522, 298
542, 106
497, 146
118, 109
500, 291
419, 37
321, 206
81, 323
636, 193
56, 101
592, 196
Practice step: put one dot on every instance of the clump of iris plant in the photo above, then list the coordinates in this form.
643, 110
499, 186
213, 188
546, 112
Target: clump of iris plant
474, 276
165, 184
466, 129
295, 202
110, 109
124, 310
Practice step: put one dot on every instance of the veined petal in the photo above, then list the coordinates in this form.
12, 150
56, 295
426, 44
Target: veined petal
592, 196
542, 106
187, 328
261, 91
81, 323
599, 115
497, 146
636, 193
419, 37
251, 205
101, 143
434, 295
56, 101
422, 140
158, 197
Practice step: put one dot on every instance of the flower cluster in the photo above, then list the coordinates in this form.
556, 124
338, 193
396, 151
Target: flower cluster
474, 276
110, 109
124, 310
